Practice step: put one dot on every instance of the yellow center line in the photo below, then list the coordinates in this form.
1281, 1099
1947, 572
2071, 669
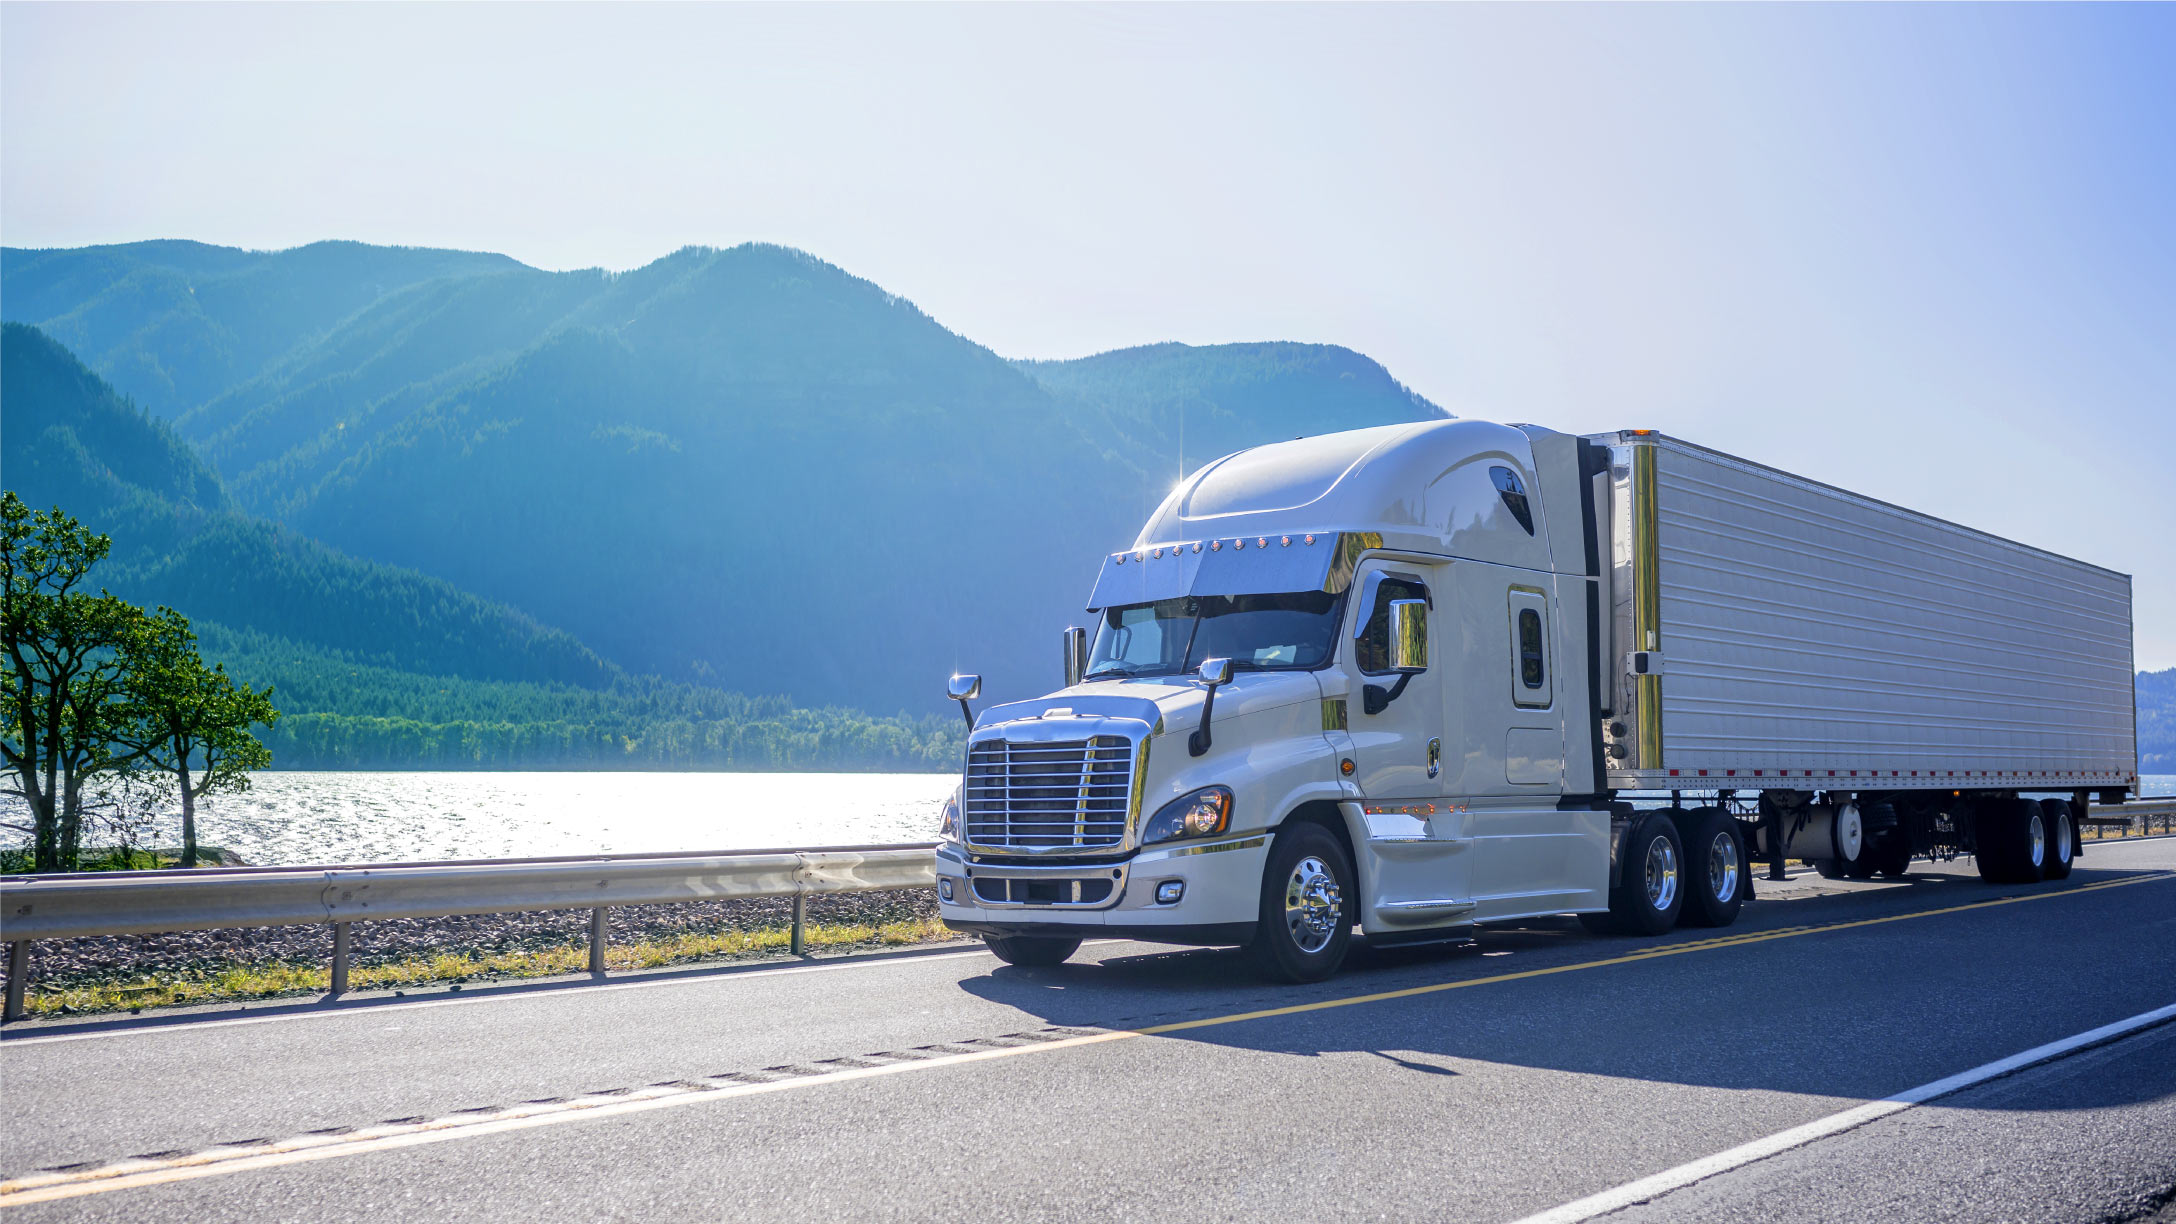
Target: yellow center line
213, 1162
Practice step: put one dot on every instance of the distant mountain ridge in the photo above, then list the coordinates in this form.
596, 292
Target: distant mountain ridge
741, 467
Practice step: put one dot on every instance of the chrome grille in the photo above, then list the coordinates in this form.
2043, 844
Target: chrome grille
1049, 795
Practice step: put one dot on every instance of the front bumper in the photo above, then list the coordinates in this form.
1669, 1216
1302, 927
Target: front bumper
1222, 897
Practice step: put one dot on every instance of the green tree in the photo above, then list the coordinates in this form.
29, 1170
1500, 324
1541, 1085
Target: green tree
190, 721
60, 659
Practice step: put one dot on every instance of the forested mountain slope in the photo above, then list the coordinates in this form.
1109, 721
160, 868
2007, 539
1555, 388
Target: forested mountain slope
739, 467
68, 439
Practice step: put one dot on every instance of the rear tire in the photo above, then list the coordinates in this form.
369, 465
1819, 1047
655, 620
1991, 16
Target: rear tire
2010, 841
1305, 923
1031, 951
1649, 890
2062, 830
1716, 870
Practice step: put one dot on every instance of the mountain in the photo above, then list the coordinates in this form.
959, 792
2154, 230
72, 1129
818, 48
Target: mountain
173, 324
1189, 404
68, 439
744, 468
374, 666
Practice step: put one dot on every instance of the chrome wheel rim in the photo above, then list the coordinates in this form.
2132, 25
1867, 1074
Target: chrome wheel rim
1722, 867
2037, 832
1312, 905
1661, 873
2062, 839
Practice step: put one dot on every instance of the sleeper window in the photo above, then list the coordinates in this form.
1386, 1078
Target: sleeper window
1530, 662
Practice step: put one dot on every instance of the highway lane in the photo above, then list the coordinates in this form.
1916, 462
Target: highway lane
1537, 1083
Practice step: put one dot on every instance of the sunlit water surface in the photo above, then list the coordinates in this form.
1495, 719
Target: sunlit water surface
290, 817
295, 817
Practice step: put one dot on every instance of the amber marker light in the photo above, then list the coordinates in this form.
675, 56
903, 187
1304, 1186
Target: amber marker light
1345, 767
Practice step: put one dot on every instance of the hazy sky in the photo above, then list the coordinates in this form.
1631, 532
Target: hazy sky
1926, 252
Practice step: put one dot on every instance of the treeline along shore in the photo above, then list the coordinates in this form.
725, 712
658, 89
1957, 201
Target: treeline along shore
813, 740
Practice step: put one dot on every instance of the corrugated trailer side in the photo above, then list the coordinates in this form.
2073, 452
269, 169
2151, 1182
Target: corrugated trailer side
1790, 629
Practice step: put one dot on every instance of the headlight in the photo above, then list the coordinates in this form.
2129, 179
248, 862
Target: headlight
950, 829
1205, 813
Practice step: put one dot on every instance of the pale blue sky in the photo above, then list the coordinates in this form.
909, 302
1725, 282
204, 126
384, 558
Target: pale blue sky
1927, 252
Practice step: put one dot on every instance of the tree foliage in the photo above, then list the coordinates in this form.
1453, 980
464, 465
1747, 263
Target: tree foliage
97, 691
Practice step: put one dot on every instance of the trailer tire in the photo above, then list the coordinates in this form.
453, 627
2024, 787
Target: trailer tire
1649, 891
1305, 923
1889, 852
1716, 869
2010, 841
2062, 829
1031, 951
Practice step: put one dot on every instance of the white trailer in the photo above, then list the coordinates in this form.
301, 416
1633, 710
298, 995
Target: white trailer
1418, 678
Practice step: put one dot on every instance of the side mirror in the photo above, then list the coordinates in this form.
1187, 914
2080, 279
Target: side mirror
1408, 650
1076, 655
1408, 636
1215, 673
964, 688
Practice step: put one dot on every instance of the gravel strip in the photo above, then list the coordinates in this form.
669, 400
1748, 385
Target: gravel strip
103, 958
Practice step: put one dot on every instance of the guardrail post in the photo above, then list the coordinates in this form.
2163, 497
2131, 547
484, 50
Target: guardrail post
596, 939
340, 957
18, 973
800, 924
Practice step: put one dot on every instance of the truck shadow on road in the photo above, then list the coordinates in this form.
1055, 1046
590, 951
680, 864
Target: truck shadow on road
1894, 986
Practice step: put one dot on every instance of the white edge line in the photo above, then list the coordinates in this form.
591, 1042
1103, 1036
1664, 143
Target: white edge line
366, 1008
1684, 1175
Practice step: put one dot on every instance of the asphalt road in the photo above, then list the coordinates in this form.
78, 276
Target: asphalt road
1488, 1083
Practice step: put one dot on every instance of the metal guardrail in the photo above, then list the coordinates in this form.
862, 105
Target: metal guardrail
155, 902
2147, 813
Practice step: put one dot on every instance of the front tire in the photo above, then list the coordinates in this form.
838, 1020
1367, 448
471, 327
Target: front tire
1305, 924
1715, 872
1031, 951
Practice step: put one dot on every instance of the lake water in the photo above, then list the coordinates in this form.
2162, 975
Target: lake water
295, 817
292, 817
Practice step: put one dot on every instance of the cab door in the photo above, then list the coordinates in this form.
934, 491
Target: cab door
1396, 722
1414, 871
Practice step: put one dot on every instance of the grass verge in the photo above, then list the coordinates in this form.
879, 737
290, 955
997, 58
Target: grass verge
277, 979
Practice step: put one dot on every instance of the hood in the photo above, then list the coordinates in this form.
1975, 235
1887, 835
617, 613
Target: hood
1173, 701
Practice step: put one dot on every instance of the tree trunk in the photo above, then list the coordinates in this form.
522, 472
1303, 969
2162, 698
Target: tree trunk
47, 855
71, 825
188, 816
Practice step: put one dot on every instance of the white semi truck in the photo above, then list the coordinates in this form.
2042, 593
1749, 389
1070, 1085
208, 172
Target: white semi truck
1429, 676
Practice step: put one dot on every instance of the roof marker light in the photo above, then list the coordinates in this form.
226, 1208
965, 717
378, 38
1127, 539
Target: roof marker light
1197, 546
1307, 539
1239, 544
1285, 542
1216, 546
1261, 541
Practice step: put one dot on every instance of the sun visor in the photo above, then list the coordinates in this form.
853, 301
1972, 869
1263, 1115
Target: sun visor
1250, 565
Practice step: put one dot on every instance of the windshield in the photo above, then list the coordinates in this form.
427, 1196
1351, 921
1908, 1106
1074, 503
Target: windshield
1170, 636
